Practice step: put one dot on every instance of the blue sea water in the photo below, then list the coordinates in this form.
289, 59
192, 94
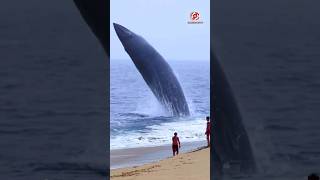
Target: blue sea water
270, 53
53, 97
136, 117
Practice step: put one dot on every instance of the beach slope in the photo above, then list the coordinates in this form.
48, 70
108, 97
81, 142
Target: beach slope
187, 166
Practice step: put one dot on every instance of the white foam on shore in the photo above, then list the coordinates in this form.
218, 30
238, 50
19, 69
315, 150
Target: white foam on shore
157, 135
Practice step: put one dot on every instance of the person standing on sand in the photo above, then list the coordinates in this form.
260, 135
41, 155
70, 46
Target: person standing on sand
175, 144
208, 130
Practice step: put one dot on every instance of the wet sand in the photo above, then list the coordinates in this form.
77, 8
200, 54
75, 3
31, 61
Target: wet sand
122, 158
187, 165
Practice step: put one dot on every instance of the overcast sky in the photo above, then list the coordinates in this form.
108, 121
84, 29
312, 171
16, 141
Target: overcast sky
164, 24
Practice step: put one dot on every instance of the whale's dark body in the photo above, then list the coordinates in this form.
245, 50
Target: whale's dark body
95, 13
153, 68
155, 71
231, 146
229, 138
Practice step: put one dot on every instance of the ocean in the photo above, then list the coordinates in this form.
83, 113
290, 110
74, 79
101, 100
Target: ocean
270, 51
53, 81
136, 117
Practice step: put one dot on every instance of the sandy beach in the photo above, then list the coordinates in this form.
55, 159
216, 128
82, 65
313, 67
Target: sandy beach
194, 165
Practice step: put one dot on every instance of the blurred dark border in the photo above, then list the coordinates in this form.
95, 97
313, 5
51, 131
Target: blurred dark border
39, 39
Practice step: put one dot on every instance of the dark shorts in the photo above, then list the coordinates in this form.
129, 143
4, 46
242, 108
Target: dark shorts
175, 148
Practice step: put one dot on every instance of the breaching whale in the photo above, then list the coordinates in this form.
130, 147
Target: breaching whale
231, 147
155, 71
158, 74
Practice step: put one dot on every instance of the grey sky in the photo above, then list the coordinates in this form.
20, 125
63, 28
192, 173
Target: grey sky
163, 23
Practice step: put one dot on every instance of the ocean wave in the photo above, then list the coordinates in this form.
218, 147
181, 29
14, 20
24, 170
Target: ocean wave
160, 134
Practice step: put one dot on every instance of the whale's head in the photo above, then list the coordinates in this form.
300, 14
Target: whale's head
128, 39
135, 45
123, 33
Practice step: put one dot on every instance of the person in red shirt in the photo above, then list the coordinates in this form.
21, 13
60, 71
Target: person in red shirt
175, 144
208, 130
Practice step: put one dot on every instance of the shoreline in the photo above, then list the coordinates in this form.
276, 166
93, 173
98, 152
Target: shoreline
194, 164
130, 157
